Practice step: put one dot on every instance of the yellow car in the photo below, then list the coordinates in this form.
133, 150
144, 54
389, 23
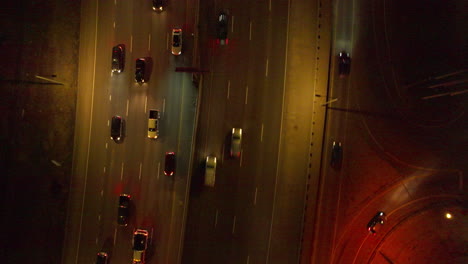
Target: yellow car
153, 124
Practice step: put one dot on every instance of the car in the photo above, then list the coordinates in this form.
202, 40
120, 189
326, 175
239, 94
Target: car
336, 154
123, 213
117, 126
153, 124
101, 258
210, 171
169, 164
176, 41
140, 244
236, 141
142, 66
344, 64
222, 29
118, 58
158, 5
379, 218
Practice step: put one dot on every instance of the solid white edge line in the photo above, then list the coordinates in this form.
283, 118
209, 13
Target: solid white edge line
89, 134
146, 103
131, 43
280, 134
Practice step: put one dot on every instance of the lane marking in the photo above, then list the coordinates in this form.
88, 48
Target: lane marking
127, 108
248, 259
146, 102
89, 134
266, 70
216, 219
261, 134
164, 105
149, 42
246, 93
102, 192
22, 114
273, 211
110, 97
234, 225
159, 167
115, 235
240, 160
114, 25
97, 240
104, 170
139, 175
255, 196
99, 217
106, 145
167, 41
269, 5
121, 171
108, 122
131, 43
250, 31
228, 88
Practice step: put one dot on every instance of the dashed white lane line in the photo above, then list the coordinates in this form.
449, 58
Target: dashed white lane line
97, 239
159, 166
99, 218
255, 196
128, 102
102, 193
246, 94
131, 43
228, 88
106, 145
146, 102
248, 259
250, 31
104, 170
139, 174
108, 122
266, 68
114, 25
115, 235
234, 225
110, 97
261, 133
121, 171
149, 42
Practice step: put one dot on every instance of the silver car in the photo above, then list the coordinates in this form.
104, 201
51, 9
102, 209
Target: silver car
236, 141
210, 171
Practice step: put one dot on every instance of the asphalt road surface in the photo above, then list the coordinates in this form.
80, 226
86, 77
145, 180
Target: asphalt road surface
104, 169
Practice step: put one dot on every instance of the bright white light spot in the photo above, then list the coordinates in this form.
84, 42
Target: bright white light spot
448, 215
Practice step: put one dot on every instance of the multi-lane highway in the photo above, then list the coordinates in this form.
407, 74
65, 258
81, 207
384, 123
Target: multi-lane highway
104, 169
400, 117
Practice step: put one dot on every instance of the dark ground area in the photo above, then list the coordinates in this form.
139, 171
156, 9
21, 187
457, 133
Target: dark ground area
36, 134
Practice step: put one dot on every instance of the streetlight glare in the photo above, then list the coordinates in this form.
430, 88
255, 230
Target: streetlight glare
448, 215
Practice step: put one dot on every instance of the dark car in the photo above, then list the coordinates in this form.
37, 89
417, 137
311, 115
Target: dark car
336, 154
140, 243
118, 58
158, 5
142, 66
123, 213
101, 258
344, 64
379, 218
169, 164
117, 128
222, 29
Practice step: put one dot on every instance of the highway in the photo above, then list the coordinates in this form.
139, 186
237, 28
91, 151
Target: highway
400, 115
104, 169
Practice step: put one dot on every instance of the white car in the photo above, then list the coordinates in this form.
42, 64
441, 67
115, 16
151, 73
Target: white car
153, 124
236, 141
210, 171
176, 41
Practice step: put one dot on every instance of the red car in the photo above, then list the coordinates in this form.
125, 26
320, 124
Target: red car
169, 164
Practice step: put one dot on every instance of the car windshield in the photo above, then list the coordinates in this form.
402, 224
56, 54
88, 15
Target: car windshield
176, 40
139, 242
